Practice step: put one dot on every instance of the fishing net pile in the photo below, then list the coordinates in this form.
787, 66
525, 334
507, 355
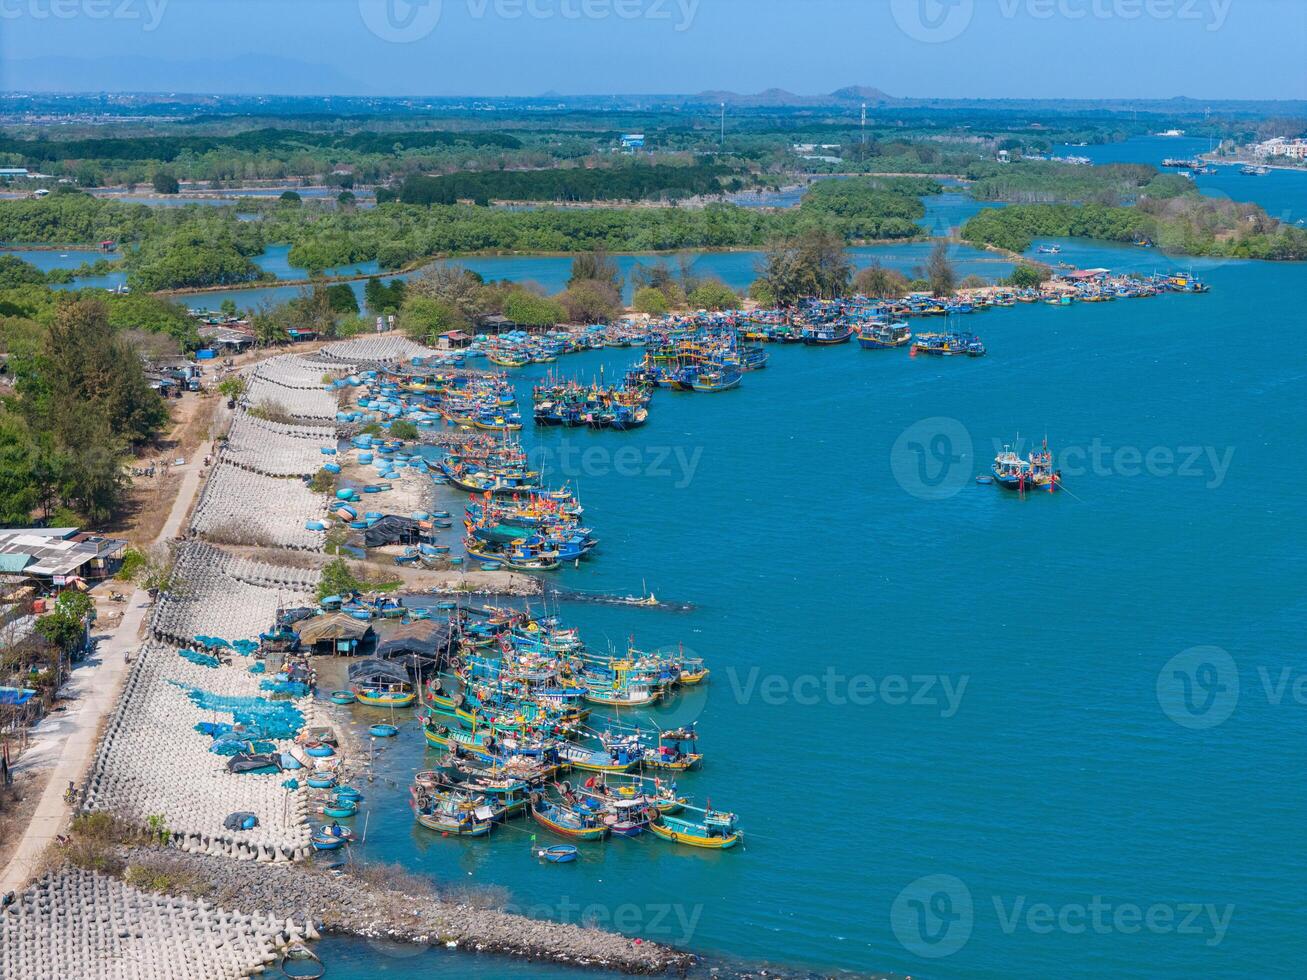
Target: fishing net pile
154, 763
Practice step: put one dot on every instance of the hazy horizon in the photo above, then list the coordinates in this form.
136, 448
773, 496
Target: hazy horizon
920, 49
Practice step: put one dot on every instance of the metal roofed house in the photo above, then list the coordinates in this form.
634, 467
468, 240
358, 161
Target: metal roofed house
54, 555
225, 338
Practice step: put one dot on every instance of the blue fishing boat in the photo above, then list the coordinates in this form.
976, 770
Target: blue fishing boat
878, 336
716, 379
716, 830
828, 334
383, 731
948, 345
574, 822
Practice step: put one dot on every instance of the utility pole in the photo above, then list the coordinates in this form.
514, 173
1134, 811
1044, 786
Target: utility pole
864, 124
723, 125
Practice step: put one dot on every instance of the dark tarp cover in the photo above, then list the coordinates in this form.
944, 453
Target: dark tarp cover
373, 670
250, 762
425, 638
391, 530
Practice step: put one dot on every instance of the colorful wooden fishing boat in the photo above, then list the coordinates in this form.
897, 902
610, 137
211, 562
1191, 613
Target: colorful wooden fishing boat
715, 831
828, 334
567, 822
453, 814
880, 336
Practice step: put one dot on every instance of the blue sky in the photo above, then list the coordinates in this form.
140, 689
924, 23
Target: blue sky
930, 48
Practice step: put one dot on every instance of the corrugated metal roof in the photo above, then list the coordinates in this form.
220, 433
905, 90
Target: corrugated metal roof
15, 561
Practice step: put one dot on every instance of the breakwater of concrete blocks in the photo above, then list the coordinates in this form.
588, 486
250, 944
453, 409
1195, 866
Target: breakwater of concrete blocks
239, 507
218, 594
153, 763
75, 923
274, 448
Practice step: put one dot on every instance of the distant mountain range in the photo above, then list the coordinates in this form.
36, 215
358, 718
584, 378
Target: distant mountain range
227, 85
779, 97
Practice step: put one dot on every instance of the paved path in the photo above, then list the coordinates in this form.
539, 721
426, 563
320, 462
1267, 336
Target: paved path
65, 741
90, 694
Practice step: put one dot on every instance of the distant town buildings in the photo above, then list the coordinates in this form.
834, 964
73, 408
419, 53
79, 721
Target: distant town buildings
1294, 149
829, 152
633, 141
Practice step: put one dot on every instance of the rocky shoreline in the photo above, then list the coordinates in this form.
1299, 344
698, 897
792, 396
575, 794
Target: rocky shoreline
346, 902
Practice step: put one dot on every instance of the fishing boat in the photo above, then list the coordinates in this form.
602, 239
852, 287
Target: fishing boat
878, 336
669, 753
1010, 470
566, 821
453, 814
717, 379
383, 731
1035, 472
508, 359
1050, 249
948, 345
828, 334
716, 830
558, 853
381, 684
343, 697
614, 758
630, 695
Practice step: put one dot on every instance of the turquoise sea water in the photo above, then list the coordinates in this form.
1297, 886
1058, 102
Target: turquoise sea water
824, 522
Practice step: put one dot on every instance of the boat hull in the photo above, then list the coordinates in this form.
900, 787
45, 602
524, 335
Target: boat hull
694, 840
